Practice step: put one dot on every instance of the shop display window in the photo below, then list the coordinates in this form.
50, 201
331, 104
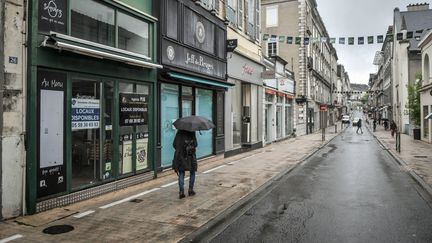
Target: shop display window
133, 34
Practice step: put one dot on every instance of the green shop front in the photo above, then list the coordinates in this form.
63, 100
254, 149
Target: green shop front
91, 99
193, 80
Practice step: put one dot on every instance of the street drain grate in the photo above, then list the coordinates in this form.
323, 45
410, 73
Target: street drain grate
58, 229
136, 200
420, 156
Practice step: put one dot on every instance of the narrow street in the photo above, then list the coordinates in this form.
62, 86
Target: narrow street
351, 191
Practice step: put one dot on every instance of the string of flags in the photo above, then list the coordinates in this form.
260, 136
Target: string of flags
358, 92
343, 40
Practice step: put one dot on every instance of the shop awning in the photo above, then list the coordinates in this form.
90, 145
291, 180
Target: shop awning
200, 80
428, 116
83, 47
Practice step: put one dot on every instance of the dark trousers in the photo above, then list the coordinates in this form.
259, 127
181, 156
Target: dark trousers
360, 129
181, 176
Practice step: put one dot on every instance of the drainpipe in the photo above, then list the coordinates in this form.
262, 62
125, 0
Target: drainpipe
2, 76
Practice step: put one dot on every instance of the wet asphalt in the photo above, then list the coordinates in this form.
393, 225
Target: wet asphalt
351, 191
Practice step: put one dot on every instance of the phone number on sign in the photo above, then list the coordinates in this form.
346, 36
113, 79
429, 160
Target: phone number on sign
83, 125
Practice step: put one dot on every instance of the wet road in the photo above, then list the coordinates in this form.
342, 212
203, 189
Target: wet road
351, 191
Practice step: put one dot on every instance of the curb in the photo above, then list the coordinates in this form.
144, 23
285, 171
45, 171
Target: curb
425, 186
219, 223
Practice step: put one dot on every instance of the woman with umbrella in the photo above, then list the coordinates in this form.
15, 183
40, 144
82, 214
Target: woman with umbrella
185, 144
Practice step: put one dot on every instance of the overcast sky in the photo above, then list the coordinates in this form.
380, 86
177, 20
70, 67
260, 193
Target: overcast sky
356, 18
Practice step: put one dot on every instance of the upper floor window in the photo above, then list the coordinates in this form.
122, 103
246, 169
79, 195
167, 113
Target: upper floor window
93, 21
97, 22
272, 48
240, 14
272, 16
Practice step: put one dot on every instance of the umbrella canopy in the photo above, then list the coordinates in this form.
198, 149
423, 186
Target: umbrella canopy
193, 123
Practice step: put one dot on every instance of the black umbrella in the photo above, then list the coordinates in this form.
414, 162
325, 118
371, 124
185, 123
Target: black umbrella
193, 123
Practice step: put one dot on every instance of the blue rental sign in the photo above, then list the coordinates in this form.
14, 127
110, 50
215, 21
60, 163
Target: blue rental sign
85, 114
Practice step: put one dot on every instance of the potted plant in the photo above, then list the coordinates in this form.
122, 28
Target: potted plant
413, 105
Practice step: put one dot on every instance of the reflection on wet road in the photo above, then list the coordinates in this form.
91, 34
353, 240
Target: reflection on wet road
351, 191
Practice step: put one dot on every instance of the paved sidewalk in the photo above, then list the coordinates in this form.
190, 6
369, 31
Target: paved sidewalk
157, 214
415, 155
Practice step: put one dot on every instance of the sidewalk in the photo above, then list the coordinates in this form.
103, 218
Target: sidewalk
152, 212
415, 155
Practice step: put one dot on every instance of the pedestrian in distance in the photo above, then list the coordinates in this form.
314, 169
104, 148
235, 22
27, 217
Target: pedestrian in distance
374, 125
185, 144
359, 126
393, 128
386, 125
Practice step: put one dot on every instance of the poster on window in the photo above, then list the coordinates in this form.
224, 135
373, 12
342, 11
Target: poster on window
51, 133
52, 16
133, 109
126, 157
141, 154
85, 113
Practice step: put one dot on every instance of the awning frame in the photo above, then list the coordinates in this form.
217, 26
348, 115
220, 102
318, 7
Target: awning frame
200, 80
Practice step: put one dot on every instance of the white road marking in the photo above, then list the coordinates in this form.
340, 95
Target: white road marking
83, 214
129, 198
169, 184
208, 171
13, 237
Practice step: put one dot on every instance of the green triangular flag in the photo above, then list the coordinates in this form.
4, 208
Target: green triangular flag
281, 38
370, 39
265, 37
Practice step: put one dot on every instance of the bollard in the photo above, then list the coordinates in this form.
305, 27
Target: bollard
335, 128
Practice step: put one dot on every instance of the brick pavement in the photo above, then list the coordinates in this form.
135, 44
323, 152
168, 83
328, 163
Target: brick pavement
416, 155
159, 215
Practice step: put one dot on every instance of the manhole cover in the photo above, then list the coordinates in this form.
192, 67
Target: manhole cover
420, 156
58, 229
136, 200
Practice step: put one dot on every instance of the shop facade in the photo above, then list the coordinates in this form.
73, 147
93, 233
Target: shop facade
91, 99
279, 104
243, 102
193, 80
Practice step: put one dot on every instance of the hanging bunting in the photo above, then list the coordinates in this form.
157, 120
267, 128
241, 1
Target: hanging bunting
370, 39
289, 40
380, 39
410, 35
361, 40
351, 41
419, 31
306, 41
333, 40
323, 39
265, 37
281, 38
342, 40
274, 37
399, 36
297, 40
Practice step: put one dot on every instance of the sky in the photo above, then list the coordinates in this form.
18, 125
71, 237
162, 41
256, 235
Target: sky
356, 18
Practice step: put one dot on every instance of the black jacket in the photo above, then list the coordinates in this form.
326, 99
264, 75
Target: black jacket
182, 160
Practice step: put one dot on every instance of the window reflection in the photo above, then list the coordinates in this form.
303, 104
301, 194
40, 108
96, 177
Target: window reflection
133, 34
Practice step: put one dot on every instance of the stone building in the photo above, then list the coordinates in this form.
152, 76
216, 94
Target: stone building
426, 90
311, 56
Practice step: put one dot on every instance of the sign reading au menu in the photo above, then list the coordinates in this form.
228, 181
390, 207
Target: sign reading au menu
53, 16
133, 109
51, 169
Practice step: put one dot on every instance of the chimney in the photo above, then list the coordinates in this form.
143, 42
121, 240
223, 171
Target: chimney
418, 7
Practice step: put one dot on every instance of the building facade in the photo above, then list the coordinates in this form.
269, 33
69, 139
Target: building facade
406, 64
243, 102
426, 90
91, 104
312, 57
193, 79
13, 61
278, 101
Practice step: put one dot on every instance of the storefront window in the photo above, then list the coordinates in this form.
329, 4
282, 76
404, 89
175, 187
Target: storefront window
246, 116
204, 107
279, 121
254, 113
133, 131
107, 151
133, 34
288, 117
236, 114
86, 135
187, 101
92, 21
169, 113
